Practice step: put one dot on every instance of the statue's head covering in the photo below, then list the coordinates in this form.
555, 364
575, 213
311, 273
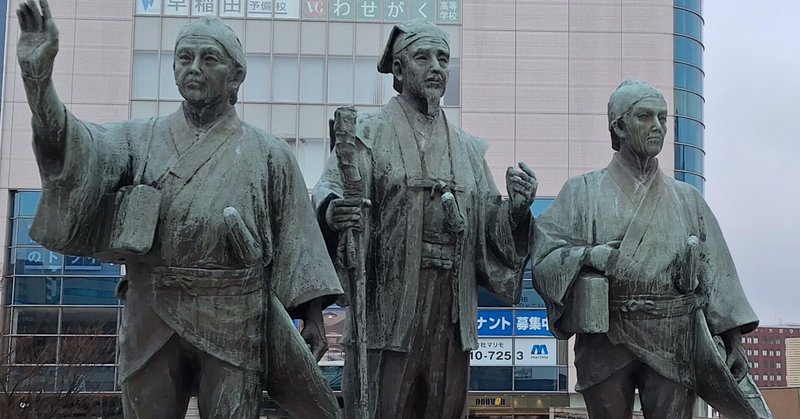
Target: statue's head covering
622, 100
406, 34
214, 28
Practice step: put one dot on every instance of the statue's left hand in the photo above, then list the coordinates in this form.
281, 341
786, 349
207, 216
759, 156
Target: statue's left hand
521, 184
314, 331
734, 352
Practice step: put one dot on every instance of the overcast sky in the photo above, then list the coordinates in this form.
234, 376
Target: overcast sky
752, 91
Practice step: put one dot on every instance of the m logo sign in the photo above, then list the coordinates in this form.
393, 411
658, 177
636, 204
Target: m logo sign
539, 350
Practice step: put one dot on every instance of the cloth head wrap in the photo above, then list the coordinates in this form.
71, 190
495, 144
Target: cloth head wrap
406, 33
622, 100
213, 27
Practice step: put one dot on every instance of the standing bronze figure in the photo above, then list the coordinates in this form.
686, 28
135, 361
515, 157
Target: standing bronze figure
437, 228
634, 263
212, 219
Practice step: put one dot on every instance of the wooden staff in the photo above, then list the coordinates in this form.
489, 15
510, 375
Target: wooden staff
351, 259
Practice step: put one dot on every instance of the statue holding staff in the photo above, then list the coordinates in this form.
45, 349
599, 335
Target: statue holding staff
436, 229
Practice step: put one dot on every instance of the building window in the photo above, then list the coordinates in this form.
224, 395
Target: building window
63, 312
778, 365
755, 340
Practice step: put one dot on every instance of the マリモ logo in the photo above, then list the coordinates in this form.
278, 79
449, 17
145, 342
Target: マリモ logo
539, 350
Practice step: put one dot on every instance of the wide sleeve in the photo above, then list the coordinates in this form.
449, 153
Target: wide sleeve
92, 163
502, 249
301, 268
726, 305
559, 252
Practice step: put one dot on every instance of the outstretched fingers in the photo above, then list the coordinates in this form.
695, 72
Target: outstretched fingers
36, 16
45, 11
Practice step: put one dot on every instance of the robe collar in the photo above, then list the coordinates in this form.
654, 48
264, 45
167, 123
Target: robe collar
633, 185
412, 161
191, 152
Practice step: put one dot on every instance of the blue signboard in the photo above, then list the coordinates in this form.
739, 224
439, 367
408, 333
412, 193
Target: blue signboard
531, 322
495, 322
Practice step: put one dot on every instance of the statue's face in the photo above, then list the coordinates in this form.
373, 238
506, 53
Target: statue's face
203, 70
425, 72
645, 127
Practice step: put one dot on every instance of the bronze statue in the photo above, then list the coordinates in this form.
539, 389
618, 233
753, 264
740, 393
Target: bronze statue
436, 228
211, 217
634, 263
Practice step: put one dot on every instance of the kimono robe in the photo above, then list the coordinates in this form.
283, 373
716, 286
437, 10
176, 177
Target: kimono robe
598, 207
492, 254
233, 164
422, 278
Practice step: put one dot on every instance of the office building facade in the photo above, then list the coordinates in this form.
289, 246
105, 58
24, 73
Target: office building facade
531, 77
773, 355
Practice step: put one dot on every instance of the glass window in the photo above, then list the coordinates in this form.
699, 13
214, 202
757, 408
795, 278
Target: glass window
688, 50
340, 80
145, 74
312, 79
89, 321
695, 5
286, 78
36, 261
689, 159
33, 350
167, 90
452, 94
77, 265
368, 88
256, 83
88, 350
697, 181
90, 291
487, 299
536, 379
689, 104
688, 23
689, 131
81, 379
37, 290
35, 320
311, 155
25, 203
490, 378
34, 378
689, 77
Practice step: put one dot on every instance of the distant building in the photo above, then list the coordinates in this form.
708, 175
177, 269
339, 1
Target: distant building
773, 353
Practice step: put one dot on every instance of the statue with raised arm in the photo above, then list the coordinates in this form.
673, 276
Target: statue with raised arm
634, 263
212, 219
436, 229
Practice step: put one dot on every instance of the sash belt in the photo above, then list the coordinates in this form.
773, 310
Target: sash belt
648, 306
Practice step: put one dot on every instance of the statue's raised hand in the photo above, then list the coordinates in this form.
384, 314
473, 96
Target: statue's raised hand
38, 40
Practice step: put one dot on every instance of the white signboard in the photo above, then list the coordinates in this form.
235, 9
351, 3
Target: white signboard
204, 7
148, 7
177, 7
286, 9
493, 351
232, 8
534, 352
